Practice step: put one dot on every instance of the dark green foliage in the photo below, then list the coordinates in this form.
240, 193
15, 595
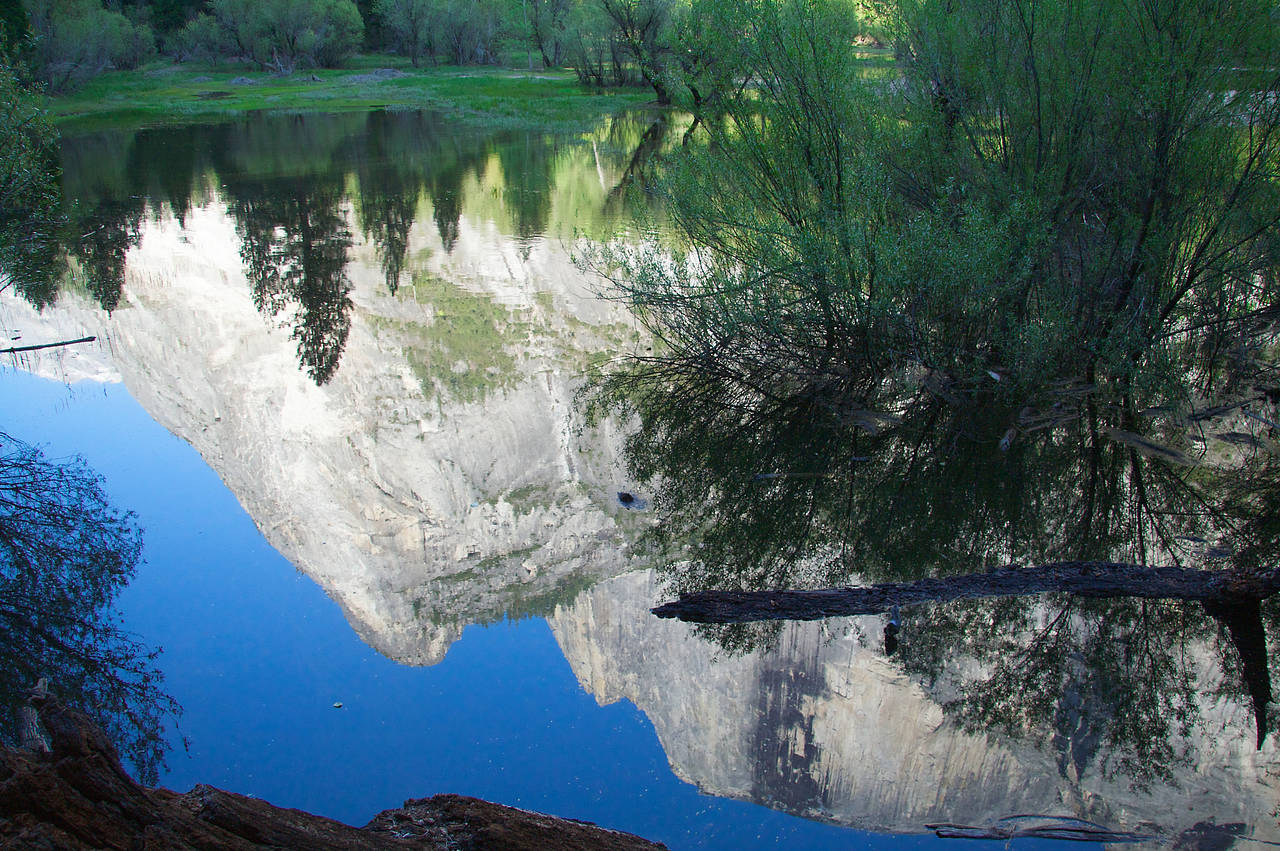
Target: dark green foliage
13, 23
642, 31
294, 246
973, 225
547, 23
201, 39
65, 554
170, 15
881, 271
279, 34
30, 203
413, 26
1134, 213
75, 40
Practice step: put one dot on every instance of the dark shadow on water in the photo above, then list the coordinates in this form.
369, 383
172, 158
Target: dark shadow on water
797, 490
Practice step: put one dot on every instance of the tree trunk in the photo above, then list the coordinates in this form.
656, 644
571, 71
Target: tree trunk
1088, 579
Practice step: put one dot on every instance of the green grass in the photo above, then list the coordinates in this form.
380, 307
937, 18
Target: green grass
490, 97
466, 349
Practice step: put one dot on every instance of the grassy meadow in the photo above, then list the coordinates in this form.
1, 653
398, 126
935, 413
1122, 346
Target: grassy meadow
493, 97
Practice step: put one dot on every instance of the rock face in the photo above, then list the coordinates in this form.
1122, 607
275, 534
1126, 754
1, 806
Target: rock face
433, 481
77, 796
824, 726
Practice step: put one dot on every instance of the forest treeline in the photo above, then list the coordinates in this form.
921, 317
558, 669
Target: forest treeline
607, 42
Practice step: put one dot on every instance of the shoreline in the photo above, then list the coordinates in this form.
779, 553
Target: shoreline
66, 788
497, 98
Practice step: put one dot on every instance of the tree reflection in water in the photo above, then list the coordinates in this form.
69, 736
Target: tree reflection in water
108, 230
788, 490
65, 554
294, 243
287, 180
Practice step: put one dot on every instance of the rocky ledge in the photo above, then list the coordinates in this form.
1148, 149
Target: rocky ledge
71, 792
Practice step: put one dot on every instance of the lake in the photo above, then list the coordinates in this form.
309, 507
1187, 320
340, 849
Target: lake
337, 377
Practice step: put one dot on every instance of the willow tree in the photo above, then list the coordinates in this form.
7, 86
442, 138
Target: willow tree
1042, 193
1050, 217
1126, 154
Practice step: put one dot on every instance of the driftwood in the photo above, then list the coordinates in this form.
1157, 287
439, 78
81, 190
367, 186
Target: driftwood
16, 349
1086, 578
1231, 597
1038, 827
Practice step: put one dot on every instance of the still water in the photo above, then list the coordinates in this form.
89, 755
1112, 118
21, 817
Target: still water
336, 379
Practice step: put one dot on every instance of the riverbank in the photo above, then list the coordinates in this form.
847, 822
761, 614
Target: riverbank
70, 792
489, 97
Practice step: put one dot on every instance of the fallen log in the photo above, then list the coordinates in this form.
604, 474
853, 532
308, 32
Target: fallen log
61, 343
1039, 827
1232, 597
1085, 578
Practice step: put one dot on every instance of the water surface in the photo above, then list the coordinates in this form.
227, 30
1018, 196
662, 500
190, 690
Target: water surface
336, 377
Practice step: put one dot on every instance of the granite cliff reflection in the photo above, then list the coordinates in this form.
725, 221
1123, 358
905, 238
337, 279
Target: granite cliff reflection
820, 723
421, 390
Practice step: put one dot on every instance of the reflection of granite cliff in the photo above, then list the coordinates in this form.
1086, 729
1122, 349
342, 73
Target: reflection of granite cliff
419, 509
824, 726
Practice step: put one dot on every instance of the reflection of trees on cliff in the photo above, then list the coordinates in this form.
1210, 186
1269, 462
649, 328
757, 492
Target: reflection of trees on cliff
788, 489
35, 273
65, 554
388, 206
97, 225
107, 231
398, 157
103, 209
30, 200
404, 154
113, 177
528, 163
1114, 681
294, 243
392, 160
165, 164
445, 187
643, 153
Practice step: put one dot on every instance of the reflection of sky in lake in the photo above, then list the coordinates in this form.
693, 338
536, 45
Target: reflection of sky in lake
257, 655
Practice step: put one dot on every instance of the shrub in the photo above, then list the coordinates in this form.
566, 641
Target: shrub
282, 34
75, 40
